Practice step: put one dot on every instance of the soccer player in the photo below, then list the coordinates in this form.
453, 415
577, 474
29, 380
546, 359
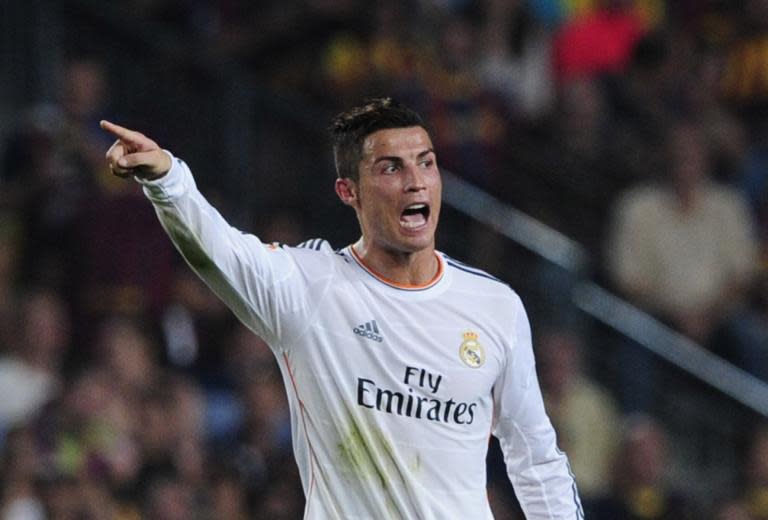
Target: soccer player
399, 361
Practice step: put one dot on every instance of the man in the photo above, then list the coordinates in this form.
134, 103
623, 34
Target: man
684, 250
399, 361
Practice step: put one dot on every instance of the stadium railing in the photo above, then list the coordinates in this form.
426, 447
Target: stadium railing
598, 302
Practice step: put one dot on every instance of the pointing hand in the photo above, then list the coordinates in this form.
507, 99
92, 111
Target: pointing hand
134, 154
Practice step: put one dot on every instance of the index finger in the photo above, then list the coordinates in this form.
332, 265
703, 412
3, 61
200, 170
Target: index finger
129, 136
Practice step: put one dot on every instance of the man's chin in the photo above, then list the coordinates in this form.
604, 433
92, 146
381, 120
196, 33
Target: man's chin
417, 244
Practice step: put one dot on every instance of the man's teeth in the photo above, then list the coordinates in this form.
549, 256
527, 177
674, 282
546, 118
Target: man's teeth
413, 223
414, 215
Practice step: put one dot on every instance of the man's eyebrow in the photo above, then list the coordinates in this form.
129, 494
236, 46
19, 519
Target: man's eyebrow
392, 158
425, 153
399, 160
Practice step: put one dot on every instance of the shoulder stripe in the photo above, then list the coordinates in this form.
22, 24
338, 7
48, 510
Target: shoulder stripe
475, 272
465, 265
470, 268
341, 253
312, 243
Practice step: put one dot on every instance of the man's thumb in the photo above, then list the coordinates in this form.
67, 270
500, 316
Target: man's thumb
154, 161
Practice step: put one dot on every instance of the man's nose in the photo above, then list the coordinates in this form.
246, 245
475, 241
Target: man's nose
414, 178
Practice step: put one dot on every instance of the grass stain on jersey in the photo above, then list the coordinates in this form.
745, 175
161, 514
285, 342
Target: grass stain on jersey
360, 455
368, 454
191, 248
187, 244
416, 464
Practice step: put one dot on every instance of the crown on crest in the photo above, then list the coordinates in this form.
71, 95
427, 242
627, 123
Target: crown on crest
470, 336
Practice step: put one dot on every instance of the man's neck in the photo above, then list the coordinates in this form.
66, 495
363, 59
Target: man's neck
688, 196
407, 268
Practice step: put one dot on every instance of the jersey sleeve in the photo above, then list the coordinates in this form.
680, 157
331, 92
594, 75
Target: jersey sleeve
257, 281
538, 470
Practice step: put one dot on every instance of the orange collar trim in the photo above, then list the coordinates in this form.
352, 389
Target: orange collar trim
398, 285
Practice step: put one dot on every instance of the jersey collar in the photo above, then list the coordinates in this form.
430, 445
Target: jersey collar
397, 285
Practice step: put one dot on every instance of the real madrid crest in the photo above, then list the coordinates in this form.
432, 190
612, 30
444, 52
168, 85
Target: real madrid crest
471, 351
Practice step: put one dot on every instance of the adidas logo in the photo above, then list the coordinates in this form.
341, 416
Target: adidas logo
369, 330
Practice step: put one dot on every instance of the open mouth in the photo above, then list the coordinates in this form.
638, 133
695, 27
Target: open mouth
414, 216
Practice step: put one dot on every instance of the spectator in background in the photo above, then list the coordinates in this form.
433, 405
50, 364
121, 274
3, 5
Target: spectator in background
724, 133
248, 424
192, 323
754, 184
692, 252
732, 510
516, 63
583, 413
86, 448
21, 496
266, 436
11, 245
71, 208
118, 432
600, 42
84, 101
171, 433
71, 497
584, 158
30, 369
169, 498
128, 356
50, 168
393, 56
132, 279
640, 101
745, 89
283, 500
743, 80
556, 12
469, 122
47, 182
228, 496
640, 489
684, 250
396, 48
50, 177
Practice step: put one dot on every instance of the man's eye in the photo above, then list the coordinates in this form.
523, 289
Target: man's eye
392, 168
427, 163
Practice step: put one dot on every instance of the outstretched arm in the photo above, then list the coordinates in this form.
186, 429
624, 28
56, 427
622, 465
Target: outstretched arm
257, 282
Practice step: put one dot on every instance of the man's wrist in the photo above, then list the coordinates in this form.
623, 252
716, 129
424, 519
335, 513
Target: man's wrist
153, 177
158, 178
166, 167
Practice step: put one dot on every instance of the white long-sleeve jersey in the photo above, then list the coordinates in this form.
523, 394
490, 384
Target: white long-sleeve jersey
394, 390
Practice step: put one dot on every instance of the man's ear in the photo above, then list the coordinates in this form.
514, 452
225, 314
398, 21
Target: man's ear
346, 189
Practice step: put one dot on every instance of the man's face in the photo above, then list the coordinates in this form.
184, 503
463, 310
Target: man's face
397, 196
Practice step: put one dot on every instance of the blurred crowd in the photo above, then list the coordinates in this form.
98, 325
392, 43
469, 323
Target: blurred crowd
637, 127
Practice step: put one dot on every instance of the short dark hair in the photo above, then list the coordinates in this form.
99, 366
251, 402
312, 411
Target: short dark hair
349, 129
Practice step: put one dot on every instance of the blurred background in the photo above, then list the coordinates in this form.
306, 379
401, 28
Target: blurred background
607, 158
